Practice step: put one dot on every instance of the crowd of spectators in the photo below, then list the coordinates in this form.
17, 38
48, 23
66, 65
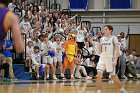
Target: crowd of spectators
46, 32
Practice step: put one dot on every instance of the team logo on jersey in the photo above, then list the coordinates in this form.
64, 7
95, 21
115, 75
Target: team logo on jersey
106, 43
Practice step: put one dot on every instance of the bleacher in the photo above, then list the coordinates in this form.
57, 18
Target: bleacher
19, 72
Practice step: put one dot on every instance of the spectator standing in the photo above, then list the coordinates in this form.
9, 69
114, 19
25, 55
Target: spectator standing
71, 48
7, 48
58, 53
81, 35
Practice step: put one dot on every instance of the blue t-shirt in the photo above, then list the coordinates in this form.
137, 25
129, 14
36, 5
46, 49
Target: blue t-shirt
7, 53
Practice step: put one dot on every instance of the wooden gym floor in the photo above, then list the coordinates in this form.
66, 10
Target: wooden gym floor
65, 86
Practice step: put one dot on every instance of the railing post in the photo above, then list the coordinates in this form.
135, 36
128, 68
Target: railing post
55, 6
88, 23
66, 11
95, 29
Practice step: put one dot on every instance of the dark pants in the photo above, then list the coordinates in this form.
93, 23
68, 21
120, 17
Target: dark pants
118, 68
132, 70
126, 71
80, 45
5, 66
91, 69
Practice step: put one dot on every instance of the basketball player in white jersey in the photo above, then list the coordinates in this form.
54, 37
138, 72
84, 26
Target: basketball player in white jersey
108, 58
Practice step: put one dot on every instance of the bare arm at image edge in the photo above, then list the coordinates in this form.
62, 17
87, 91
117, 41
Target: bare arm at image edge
16, 34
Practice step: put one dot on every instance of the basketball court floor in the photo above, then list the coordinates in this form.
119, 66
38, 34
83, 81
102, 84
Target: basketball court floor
66, 86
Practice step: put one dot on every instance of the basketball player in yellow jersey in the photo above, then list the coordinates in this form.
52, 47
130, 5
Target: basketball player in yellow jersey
9, 21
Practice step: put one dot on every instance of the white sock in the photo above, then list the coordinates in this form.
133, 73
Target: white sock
47, 75
62, 74
99, 91
37, 75
53, 75
71, 75
122, 89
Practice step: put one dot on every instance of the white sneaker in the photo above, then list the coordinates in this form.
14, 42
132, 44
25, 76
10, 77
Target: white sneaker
46, 78
123, 91
88, 77
111, 81
14, 78
63, 78
77, 77
124, 77
54, 78
72, 77
30, 70
98, 91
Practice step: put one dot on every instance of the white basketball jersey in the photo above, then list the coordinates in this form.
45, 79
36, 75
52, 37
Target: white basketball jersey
108, 49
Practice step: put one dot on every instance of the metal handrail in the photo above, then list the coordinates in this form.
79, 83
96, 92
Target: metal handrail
56, 6
77, 19
66, 11
97, 29
88, 23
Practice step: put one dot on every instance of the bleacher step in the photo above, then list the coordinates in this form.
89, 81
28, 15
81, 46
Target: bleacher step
19, 72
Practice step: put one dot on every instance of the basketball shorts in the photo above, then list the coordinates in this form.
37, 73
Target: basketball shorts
105, 64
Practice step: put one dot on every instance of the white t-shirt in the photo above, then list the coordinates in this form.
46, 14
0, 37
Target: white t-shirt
36, 58
56, 45
90, 50
127, 57
25, 26
120, 47
29, 50
133, 59
123, 40
81, 34
37, 43
108, 49
61, 30
47, 45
